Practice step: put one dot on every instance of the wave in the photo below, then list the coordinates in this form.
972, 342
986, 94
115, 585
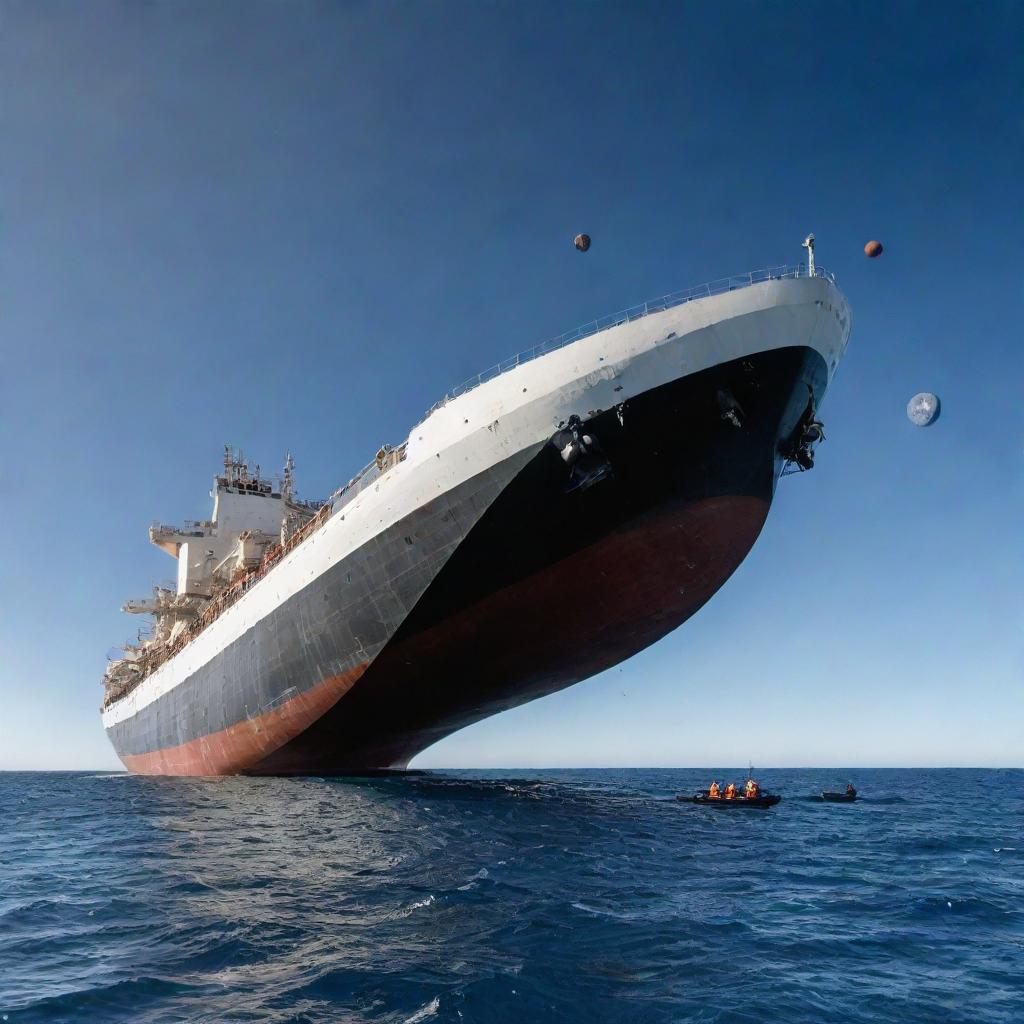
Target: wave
512, 896
425, 1012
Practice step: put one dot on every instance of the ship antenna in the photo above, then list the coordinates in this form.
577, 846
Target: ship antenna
808, 244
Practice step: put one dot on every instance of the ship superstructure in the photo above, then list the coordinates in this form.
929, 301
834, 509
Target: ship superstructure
217, 560
543, 522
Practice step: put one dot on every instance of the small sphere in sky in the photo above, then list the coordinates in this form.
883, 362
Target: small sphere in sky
923, 409
582, 242
873, 249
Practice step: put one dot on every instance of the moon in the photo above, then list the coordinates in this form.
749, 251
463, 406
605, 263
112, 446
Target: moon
923, 409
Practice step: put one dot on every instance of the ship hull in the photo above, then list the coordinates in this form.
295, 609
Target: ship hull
509, 587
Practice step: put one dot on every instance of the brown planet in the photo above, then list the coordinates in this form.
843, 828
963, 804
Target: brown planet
873, 249
582, 242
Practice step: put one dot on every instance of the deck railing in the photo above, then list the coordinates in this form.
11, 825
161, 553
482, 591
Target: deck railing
702, 291
366, 476
190, 529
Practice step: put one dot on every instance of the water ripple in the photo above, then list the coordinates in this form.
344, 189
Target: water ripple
529, 896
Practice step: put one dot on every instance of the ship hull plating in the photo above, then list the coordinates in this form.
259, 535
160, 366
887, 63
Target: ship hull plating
512, 586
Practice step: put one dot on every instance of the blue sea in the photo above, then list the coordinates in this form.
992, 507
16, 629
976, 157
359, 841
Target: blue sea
520, 896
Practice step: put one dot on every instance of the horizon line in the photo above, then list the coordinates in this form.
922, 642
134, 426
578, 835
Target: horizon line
528, 768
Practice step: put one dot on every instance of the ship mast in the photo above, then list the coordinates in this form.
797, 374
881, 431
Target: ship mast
288, 481
808, 244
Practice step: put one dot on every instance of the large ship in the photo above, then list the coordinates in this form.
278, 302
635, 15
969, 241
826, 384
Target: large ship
545, 521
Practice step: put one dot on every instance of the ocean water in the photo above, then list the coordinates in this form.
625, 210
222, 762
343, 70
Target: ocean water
511, 896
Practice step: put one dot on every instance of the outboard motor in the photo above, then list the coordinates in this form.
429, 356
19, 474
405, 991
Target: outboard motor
581, 452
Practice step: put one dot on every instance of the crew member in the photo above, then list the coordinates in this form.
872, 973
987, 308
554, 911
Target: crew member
751, 790
714, 792
850, 791
730, 791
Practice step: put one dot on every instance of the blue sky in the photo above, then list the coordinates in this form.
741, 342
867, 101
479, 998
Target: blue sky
294, 226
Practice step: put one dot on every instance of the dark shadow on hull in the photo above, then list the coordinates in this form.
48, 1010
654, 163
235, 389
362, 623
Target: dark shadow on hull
551, 587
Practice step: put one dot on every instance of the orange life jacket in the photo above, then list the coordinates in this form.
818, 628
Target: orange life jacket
714, 790
730, 791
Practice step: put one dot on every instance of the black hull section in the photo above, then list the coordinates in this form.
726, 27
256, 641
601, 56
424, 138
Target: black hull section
554, 584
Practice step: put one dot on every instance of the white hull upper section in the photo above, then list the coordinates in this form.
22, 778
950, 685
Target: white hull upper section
521, 409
